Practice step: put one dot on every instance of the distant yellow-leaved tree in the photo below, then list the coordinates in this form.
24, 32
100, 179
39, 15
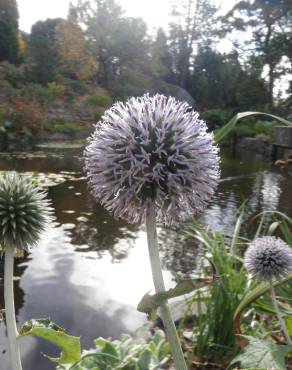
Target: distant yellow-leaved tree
73, 52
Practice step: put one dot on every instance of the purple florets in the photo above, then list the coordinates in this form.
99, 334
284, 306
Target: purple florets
152, 148
268, 257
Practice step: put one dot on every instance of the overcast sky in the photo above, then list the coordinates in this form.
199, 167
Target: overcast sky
154, 12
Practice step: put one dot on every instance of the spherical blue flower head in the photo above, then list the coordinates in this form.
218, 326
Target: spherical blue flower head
152, 149
267, 258
24, 211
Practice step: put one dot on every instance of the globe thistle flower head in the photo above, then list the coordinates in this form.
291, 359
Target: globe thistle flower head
267, 258
152, 149
24, 212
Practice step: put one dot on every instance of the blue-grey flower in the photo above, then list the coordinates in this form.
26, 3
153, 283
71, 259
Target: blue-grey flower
152, 148
268, 257
24, 211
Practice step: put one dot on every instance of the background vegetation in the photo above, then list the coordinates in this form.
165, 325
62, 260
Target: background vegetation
72, 69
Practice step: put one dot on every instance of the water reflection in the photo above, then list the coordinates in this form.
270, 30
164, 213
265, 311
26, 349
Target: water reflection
179, 255
93, 229
91, 270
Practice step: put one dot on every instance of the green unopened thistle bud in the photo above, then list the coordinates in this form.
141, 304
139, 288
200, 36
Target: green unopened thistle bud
24, 211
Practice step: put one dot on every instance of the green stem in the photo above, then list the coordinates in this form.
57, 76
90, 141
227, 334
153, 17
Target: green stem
281, 321
170, 329
10, 310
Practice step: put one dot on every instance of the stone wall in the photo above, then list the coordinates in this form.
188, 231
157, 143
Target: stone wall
250, 148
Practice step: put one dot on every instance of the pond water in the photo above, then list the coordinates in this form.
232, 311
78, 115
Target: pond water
90, 270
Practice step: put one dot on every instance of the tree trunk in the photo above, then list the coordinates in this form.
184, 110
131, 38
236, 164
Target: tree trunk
271, 85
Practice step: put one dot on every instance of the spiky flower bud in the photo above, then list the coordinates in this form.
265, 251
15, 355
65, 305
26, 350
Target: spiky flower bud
268, 257
152, 148
24, 211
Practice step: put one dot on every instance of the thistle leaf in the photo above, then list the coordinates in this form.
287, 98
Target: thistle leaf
264, 354
46, 329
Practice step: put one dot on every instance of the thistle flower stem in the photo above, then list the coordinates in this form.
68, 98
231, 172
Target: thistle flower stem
160, 287
281, 321
10, 309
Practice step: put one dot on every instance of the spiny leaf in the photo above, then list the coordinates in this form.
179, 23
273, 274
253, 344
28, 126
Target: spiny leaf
46, 329
261, 353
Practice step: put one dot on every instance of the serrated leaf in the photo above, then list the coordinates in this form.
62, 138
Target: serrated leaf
261, 353
46, 329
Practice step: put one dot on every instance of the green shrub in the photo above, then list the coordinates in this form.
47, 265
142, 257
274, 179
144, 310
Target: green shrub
56, 89
216, 117
11, 73
5, 85
62, 126
97, 115
6, 89
255, 128
37, 93
101, 99
9, 131
73, 87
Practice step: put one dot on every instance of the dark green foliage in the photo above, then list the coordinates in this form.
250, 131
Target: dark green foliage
24, 211
161, 58
256, 128
216, 117
73, 88
11, 74
220, 80
42, 49
36, 92
252, 93
190, 29
8, 31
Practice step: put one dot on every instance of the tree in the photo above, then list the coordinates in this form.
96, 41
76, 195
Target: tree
43, 50
214, 79
73, 52
160, 55
100, 19
219, 81
267, 22
119, 43
191, 28
8, 31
